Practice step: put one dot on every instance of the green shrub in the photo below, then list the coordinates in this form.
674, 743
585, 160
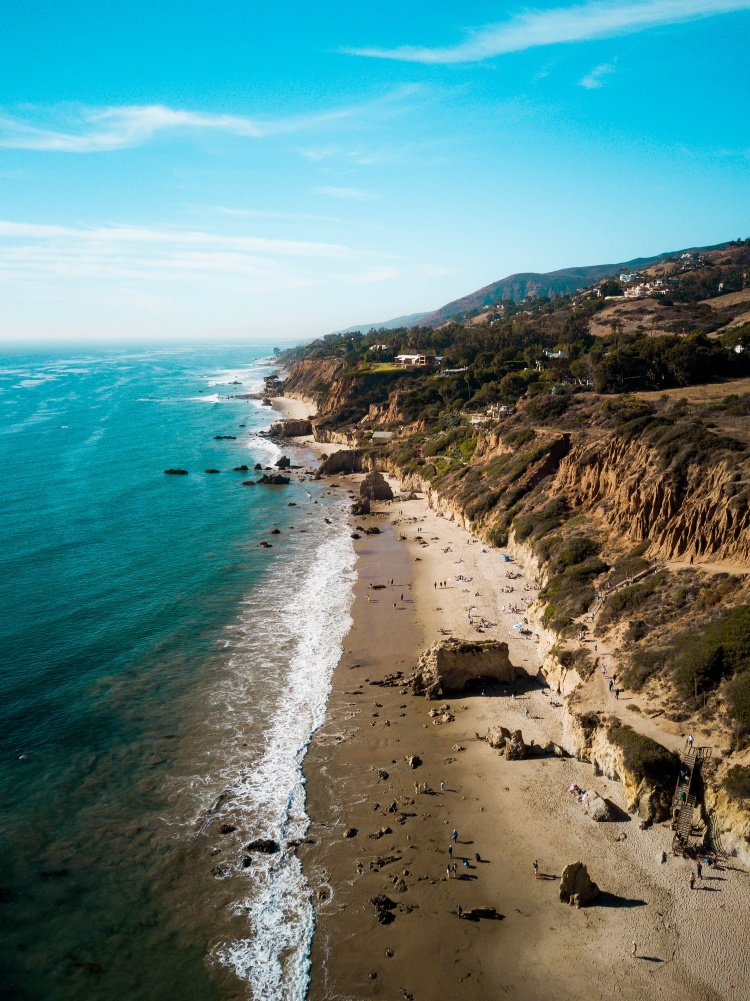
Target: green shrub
630, 599
721, 652
643, 756
547, 406
518, 437
736, 782
644, 664
467, 448
574, 551
498, 535
738, 699
569, 594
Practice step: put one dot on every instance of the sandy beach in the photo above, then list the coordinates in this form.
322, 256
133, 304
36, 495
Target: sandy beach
507, 813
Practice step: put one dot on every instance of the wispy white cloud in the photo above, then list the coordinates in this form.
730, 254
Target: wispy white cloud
348, 194
40, 257
594, 79
602, 19
81, 129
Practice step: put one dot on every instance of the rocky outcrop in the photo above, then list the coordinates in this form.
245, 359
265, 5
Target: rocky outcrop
175, 472
361, 506
576, 886
274, 479
291, 428
646, 769
346, 460
375, 487
283, 462
449, 665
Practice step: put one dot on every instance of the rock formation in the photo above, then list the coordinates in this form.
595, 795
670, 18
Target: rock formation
284, 462
361, 507
449, 665
375, 487
274, 479
576, 886
346, 460
599, 808
291, 428
176, 472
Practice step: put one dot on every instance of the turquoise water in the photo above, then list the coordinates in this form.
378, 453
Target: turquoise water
154, 660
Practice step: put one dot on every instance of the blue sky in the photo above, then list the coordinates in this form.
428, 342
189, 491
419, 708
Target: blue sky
183, 170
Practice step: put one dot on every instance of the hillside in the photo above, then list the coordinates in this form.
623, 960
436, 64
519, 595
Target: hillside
599, 455
529, 284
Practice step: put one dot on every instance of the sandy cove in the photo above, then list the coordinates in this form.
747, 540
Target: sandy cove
506, 812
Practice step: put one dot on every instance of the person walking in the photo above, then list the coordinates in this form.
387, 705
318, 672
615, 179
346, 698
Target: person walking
634, 951
454, 835
699, 870
459, 910
536, 869
450, 850
692, 880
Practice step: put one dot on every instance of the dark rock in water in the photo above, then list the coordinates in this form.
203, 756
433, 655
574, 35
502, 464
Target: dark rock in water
274, 479
248, 483
382, 775
246, 862
241, 469
257, 466
225, 437
350, 832
220, 872
267, 846
355, 536
265, 545
227, 829
275, 531
292, 504
284, 462
176, 472
372, 530
383, 907
375, 487
54, 873
213, 470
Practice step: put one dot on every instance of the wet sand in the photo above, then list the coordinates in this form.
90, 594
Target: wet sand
507, 812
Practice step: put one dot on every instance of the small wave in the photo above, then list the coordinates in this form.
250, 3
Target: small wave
280, 672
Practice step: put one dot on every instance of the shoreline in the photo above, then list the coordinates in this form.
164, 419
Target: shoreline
507, 812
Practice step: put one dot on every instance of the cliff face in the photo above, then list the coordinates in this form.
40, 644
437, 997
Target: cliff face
622, 483
312, 379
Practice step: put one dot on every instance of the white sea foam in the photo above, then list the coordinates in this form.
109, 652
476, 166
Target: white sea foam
265, 705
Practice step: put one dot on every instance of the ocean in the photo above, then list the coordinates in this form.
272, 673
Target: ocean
161, 674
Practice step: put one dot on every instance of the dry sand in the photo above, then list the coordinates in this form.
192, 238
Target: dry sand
689, 943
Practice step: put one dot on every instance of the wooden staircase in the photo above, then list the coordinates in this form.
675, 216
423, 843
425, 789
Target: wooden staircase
684, 802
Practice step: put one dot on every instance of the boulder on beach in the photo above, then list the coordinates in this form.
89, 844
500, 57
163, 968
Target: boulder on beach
576, 886
384, 907
283, 462
346, 460
599, 808
374, 487
175, 472
361, 507
450, 664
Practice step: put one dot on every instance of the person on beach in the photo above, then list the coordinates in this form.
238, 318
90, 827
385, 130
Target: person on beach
536, 869
442, 787
459, 910
454, 835
450, 850
692, 880
699, 869
635, 950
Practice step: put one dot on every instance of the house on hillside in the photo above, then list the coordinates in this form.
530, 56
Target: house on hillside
415, 361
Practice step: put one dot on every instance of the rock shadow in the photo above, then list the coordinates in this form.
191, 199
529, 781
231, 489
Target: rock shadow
615, 900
